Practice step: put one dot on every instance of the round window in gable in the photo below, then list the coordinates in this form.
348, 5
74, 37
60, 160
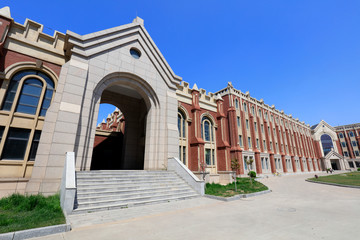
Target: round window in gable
135, 53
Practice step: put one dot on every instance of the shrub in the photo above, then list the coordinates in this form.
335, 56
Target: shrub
359, 169
252, 174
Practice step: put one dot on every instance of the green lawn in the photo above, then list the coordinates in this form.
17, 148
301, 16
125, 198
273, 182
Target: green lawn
19, 212
351, 178
244, 186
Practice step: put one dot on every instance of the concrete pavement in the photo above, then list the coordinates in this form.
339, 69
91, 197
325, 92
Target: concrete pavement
294, 210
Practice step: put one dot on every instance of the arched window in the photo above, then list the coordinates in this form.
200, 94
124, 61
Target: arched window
31, 95
182, 136
341, 135
207, 129
30, 92
327, 144
207, 134
351, 134
237, 104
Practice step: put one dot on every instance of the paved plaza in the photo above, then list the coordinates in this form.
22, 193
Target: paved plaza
294, 210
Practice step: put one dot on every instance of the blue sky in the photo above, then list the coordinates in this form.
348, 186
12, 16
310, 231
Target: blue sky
302, 56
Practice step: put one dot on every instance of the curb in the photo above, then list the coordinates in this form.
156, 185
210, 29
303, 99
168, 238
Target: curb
35, 232
333, 184
237, 197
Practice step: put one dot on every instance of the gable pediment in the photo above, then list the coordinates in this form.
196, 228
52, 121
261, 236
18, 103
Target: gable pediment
99, 43
333, 155
324, 128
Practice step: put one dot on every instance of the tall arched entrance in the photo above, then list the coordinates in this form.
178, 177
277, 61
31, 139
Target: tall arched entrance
125, 151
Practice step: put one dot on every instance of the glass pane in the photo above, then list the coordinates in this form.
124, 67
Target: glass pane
183, 128
29, 100
26, 109
184, 155
179, 124
207, 157
34, 145
206, 130
1, 132
16, 143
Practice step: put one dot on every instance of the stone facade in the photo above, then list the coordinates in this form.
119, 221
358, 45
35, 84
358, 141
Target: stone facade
158, 115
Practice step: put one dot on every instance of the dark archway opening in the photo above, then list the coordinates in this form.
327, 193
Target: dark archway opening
123, 149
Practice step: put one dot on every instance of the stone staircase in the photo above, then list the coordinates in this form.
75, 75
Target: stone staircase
106, 190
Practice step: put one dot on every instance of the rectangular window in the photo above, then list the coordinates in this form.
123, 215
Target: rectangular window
346, 154
257, 143
343, 144
245, 164
238, 121
208, 156
262, 163
245, 107
267, 163
249, 142
1, 132
270, 146
247, 124
356, 153
255, 126
264, 144
240, 140
351, 164
184, 155
259, 113
262, 128
16, 142
34, 145
213, 156
354, 143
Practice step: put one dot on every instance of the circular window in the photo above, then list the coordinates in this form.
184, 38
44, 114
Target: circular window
135, 53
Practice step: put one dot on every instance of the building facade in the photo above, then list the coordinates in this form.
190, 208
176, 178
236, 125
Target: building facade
52, 86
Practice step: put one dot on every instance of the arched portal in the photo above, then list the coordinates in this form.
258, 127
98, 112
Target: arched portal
327, 144
139, 106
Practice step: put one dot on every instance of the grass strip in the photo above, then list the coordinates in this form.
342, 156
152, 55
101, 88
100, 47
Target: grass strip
244, 186
19, 212
351, 179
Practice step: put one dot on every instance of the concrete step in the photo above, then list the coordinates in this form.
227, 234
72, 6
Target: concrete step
103, 190
133, 204
127, 191
123, 179
144, 194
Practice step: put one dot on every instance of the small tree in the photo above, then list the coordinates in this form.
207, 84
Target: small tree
249, 162
235, 165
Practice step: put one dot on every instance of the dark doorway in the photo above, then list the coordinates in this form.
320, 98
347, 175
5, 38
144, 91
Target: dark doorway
334, 166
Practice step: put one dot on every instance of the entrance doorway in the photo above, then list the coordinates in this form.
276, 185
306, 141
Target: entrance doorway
334, 165
120, 138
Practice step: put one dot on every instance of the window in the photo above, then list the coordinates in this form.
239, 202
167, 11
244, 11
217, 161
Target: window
262, 128
30, 96
135, 53
267, 163
257, 143
262, 163
354, 143
1, 132
240, 140
264, 144
266, 116
255, 126
356, 153
247, 124
16, 143
259, 113
351, 134
237, 104
238, 121
346, 154
182, 136
181, 124
327, 143
245, 162
207, 133
245, 107
343, 144
253, 110
249, 142
207, 129
270, 146
34, 145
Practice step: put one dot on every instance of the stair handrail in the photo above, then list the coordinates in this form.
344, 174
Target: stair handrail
68, 184
174, 164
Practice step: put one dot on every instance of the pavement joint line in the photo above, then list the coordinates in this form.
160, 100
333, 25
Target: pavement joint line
145, 217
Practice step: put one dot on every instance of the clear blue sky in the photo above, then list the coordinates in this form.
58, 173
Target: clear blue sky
303, 56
